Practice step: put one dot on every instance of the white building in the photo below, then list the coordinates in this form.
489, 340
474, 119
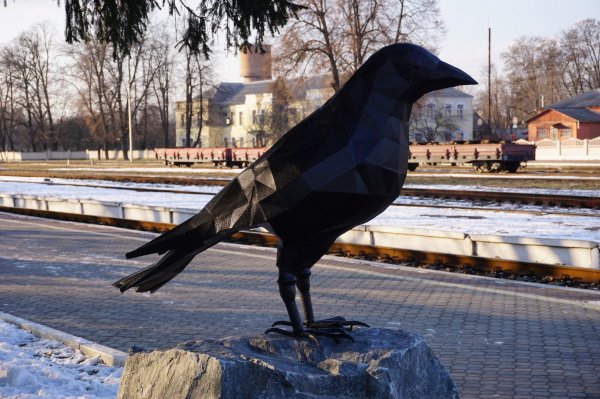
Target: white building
241, 114
443, 115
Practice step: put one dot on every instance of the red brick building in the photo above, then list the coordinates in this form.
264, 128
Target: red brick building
576, 117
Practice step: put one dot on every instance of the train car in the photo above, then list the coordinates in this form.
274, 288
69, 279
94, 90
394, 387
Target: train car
485, 157
218, 156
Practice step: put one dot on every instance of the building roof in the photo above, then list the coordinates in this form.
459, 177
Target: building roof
579, 114
449, 92
588, 99
235, 93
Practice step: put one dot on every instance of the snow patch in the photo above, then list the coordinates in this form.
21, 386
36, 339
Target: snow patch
40, 368
470, 221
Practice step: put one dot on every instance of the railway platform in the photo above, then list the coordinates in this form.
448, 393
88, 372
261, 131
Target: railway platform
498, 338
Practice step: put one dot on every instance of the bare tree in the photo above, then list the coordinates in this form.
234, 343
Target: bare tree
415, 21
282, 117
336, 36
311, 43
581, 48
534, 74
541, 71
199, 78
91, 82
8, 106
32, 84
163, 58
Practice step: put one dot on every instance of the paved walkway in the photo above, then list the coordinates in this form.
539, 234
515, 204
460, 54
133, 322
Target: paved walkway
499, 339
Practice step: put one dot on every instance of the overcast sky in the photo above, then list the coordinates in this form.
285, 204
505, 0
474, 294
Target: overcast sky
467, 22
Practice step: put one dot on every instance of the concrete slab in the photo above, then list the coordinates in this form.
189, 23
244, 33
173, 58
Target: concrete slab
498, 338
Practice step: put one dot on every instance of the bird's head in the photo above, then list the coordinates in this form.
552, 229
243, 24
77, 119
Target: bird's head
409, 71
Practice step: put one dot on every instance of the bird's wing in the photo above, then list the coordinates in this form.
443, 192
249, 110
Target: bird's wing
236, 206
262, 191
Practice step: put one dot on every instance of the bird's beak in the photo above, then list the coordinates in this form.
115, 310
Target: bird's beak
446, 75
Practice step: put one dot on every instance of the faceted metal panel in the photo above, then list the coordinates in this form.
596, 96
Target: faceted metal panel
338, 168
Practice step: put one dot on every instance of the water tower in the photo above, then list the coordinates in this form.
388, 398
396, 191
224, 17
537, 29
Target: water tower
255, 66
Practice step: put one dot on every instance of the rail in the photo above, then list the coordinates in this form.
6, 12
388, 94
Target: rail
568, 275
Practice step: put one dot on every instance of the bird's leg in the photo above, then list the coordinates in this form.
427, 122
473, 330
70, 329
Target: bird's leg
287, 289
303, 284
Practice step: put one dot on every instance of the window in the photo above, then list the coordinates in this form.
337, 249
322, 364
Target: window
232, 118
226, 142
553, 133
199, 119
233, 142
182, 121
566, 133
254, 117
542, 133
459, 111
241, 118
448, 110
430, 111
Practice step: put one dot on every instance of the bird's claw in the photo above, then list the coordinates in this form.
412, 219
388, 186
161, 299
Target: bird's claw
282, 323
336, 322
293, 334
336, 333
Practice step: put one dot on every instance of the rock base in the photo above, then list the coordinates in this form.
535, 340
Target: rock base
380, 363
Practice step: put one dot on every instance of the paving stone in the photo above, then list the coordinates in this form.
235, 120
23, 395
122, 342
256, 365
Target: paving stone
59, 274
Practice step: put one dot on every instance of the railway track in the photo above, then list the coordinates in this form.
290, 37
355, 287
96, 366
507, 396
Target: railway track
572, 201
499, 268
520, 198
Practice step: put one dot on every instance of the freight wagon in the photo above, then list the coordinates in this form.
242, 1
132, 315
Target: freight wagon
485, 157
218, 156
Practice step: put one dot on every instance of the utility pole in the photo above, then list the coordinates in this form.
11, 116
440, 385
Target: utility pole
129, 108
490, 77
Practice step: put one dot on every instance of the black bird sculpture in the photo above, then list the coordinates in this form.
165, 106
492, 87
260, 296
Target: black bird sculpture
341, 166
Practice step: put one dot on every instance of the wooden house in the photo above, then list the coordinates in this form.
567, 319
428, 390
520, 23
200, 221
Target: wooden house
576, 117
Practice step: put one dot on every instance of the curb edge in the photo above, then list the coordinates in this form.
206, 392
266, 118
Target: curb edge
109, 356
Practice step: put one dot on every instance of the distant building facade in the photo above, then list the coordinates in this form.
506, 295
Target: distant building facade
241, 114
442, 116
576, 117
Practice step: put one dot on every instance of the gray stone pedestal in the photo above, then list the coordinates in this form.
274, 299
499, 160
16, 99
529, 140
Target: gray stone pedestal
380, 363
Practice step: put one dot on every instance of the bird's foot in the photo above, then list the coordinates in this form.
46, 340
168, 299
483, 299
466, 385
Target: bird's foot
336, 322
336, 333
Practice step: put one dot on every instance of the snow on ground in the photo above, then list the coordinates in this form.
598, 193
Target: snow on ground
40, 368
457, 187
534, 224
224, 171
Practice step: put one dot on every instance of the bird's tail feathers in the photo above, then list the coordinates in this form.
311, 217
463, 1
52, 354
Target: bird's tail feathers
161, 244
153, 277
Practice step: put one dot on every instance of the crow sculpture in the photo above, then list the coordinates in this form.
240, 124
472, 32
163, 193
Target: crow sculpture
339, 167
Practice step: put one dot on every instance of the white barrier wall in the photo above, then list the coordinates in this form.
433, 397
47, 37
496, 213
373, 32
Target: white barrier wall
567, 150
9, 156
542, 250
546, 150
